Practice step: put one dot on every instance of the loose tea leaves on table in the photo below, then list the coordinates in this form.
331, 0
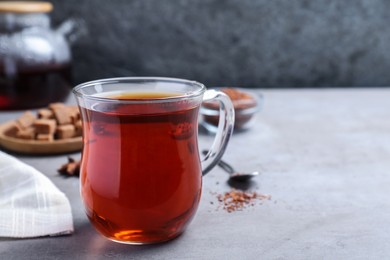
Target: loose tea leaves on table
235, 200
71, 168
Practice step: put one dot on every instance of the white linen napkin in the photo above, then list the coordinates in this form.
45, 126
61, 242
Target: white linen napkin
30, 204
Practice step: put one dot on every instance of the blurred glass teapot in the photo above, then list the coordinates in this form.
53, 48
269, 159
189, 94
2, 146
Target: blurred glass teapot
35, 60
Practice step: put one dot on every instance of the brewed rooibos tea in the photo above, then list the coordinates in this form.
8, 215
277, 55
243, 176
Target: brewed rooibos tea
141, 175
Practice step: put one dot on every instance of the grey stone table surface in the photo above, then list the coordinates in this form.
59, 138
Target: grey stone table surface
324, 157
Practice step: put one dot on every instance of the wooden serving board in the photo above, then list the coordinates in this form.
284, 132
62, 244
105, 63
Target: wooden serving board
37, 147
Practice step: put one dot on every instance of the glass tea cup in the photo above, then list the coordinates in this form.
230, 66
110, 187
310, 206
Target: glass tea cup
141, 174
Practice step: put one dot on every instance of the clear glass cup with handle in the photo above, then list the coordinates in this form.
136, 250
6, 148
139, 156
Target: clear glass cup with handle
141, 173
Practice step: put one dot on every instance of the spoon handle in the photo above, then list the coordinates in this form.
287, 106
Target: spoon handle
224, 165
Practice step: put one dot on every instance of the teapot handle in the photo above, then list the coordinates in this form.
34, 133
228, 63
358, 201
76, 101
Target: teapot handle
73, 29
224, 132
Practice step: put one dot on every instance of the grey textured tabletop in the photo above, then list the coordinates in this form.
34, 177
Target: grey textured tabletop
323, 157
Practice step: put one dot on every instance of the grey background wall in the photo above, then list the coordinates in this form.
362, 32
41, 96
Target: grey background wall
247, 43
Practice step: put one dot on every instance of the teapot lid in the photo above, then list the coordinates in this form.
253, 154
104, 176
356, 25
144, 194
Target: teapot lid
25, 7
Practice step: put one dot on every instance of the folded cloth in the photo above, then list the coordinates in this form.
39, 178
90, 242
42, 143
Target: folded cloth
30, 204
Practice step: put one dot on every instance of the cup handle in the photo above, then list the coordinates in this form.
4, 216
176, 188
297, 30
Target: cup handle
224, 132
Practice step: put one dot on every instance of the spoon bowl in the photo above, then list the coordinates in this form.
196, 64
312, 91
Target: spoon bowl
235, 175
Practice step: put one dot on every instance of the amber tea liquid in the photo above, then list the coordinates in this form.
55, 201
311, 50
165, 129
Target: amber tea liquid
141, 175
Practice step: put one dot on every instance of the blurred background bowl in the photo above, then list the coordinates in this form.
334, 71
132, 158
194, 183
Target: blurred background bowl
246, 105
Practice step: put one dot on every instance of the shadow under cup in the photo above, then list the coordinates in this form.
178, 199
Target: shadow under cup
141, 174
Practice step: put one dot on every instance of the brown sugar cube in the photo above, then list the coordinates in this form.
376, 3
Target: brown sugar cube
53, 106
74, 114
45, 137
12, 130
28, 133
45, 126
45, 113
65, 131
79, 128
25, 120
62, 115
